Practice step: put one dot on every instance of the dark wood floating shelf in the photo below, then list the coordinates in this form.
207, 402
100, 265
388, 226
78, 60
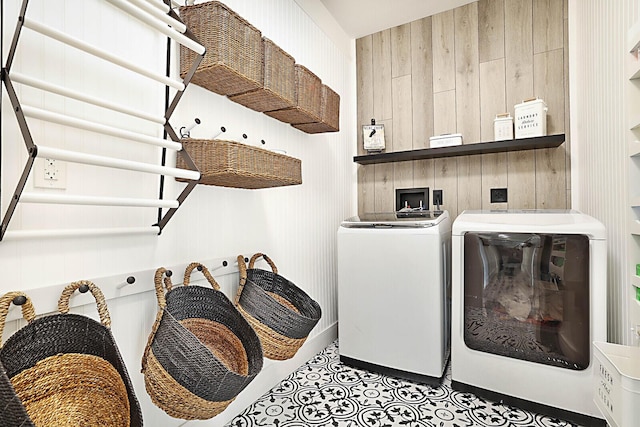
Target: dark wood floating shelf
549, 141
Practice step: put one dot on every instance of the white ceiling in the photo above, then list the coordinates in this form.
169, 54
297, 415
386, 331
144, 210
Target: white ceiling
360, 18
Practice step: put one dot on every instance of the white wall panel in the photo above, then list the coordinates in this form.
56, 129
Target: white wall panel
598, 34
295, 225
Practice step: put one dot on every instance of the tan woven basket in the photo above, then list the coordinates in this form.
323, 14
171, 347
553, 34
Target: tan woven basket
307, 108
232, 164
329, 114
278, 89
66, 369
233, 61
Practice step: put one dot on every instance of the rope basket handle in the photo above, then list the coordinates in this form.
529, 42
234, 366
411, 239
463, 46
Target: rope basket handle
28, 312
103, 311
205, 272
161, 284
255, 257
243, 278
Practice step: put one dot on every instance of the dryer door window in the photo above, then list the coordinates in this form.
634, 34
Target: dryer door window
526, 296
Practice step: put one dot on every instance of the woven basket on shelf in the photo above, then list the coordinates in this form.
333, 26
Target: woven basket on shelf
13, 412
329, 114
233, 60
232, 164
201, 352
278, 89
281, 313
67, 370
307, 108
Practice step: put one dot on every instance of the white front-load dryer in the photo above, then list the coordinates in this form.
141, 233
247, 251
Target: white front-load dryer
529, 298
394, 294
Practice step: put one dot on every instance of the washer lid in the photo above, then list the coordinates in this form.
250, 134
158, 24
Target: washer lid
413, 219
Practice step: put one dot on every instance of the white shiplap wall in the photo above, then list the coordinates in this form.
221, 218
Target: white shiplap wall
598, 39
295, 225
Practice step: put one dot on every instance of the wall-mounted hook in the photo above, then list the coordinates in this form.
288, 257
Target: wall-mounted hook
130, 281
168, 273
263, 142
20, 300
224, 264
199, 268
185, 130
83, 289
222, 130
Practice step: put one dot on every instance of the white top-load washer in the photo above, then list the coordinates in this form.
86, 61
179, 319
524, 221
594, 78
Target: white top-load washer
394, 293
529, 298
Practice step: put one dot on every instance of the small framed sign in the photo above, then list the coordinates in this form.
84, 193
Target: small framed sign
373, 136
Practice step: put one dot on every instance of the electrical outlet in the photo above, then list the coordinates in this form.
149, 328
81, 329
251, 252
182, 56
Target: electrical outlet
498, 195
437, 198
50, 173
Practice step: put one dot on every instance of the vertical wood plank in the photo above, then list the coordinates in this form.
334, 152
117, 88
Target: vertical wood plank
401, 50
444, 112
492, 96
550, 163
446, 179
381, 62
550, 179
366, 189
402, 176
519, 77
491, 29
424, 174
567, 113
364, 78
467, 73
548, 84
384, 187
421, 82
443, 42
547, 25
402, 114
469, 182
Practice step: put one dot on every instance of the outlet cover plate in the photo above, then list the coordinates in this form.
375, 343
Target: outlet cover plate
498, 195
49, 173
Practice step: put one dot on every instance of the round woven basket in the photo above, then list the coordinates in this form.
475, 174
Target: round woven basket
201, 352
14, 413
67, 369
281, 313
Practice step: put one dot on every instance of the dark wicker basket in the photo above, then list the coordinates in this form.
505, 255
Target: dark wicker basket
201, 352
281, 313
329, 114
278, 89
232, 164
233, 60
308, 106
13, 412
56, 361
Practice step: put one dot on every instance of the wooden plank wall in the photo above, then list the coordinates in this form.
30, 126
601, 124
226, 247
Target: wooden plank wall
452, 73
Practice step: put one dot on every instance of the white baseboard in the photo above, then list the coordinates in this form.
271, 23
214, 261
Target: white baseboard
272, 373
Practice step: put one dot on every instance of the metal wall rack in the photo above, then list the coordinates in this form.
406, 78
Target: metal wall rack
159, 15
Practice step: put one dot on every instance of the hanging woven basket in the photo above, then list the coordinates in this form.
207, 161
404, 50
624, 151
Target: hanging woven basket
201, 352
13, 412
281, 313
67, 370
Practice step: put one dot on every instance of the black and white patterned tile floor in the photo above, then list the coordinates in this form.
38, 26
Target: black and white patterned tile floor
325, 392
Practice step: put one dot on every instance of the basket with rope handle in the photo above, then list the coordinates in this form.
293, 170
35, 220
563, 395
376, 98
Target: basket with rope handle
281, 313
201, 352
67, 369
14, 413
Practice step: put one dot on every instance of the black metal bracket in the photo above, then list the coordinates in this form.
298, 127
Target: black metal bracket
33, 149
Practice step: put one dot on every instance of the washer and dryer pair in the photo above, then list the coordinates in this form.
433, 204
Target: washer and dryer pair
528, 293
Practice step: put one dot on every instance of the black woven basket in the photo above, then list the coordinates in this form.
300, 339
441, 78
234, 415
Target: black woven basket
12, 411
201, 352
281, 313
68, 334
